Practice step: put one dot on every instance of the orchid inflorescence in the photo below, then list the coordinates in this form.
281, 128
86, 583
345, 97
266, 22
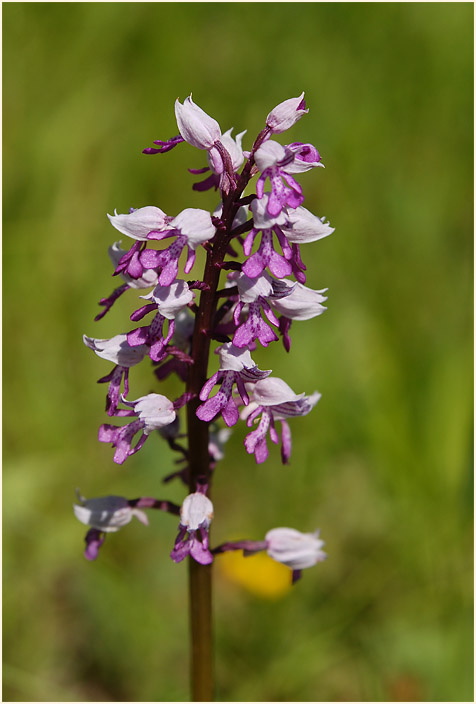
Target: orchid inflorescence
184, 316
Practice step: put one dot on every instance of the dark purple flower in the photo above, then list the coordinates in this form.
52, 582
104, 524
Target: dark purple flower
195, 517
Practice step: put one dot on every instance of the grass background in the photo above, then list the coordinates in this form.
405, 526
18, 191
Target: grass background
382, 465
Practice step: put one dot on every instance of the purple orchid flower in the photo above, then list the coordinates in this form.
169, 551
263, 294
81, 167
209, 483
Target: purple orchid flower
295, 549
196, 515
256, 295
302, 303
149, 278
266, 255
274, 400
191, 228
202, 131
236, 367
272, 159
289, 546
306, 157
139, 222
168, 301
123, 355
107, 514
153, 412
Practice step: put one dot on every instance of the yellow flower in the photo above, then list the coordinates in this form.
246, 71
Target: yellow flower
258, 574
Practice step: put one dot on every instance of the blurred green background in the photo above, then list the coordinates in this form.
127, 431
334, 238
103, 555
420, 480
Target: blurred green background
382, 465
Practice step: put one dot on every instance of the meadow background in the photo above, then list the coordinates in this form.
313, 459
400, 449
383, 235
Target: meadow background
382, 465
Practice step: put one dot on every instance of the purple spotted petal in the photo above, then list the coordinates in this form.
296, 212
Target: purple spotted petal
139, 336
208, 386
150, 258
200, 552
230, 413
211, 408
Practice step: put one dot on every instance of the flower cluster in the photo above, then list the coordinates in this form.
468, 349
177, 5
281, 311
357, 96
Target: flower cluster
255, 241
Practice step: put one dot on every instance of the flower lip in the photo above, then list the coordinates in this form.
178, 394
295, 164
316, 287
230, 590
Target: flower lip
149, 277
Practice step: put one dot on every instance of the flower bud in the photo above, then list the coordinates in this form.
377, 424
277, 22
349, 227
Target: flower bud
196, 127
294, 549
286, 114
